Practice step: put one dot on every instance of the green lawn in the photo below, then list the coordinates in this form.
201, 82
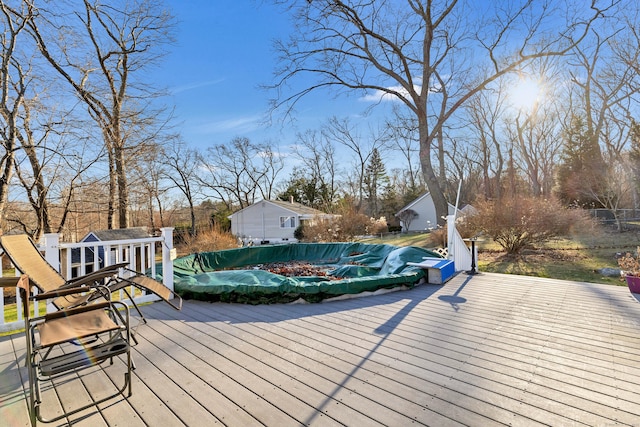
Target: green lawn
11, 315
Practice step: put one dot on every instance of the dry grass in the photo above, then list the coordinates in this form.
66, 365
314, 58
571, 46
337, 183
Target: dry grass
207, 241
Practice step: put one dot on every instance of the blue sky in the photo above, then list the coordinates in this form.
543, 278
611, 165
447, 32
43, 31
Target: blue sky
222, 55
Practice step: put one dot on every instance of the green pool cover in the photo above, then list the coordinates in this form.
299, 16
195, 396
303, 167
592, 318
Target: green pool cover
234, 275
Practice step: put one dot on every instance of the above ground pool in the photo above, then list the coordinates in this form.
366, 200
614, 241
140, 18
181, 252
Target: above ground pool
311, 271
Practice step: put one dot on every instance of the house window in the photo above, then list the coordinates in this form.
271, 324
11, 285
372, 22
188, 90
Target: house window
287, 222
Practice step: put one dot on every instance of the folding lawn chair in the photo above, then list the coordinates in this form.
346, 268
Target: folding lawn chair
62, 343
26, 257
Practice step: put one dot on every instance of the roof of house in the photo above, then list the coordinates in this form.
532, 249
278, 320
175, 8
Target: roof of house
415, 201
118, 234
418, 199
295, 207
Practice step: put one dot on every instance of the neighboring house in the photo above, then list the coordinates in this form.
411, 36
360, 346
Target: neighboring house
106, 236
467, 210
272, 221
420, 215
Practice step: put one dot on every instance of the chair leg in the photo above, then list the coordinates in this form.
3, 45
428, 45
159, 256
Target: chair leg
36, 375
135, 330
135, 305
34, 391
130, 367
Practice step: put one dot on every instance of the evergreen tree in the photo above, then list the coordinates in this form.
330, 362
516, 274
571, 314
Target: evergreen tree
634, 152
375, 180
309, 191
390, 204
579, 176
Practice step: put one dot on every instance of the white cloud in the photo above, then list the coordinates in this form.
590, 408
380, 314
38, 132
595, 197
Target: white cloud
195, 85
237, 125
249, 122
380, 95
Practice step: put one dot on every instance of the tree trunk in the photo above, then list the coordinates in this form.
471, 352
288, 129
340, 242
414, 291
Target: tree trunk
39, 202
111, 210
428, 173
123, 191
7, 173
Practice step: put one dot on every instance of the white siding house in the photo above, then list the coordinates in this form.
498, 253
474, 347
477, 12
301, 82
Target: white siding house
272, 221
425, 217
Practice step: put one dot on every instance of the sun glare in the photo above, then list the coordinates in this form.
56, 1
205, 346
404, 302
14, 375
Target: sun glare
526, 94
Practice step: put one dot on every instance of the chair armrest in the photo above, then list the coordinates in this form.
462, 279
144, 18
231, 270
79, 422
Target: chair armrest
61, 292
9, 282
77, 310
90, 278
24, 288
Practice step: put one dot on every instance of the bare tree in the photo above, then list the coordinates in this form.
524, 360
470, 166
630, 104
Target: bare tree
89, 206
238, 172
36, 132
605, 80
603, 99
534, 130
269, 167
611, 191
345, 133
148, 182
320, 163
403, 135
52, 161
432, 56
538, 143
101, 51
13, 88
182, 170
484, 114
463, 171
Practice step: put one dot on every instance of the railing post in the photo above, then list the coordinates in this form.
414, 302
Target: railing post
52, 249
52, 255
167, 256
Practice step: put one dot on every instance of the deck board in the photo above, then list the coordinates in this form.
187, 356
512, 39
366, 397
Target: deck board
13, 407
484, 350
278, 385
377, 371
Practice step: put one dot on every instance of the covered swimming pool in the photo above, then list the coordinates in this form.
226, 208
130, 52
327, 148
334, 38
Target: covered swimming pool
271, 273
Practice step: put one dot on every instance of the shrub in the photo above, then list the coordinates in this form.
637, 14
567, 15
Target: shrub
406, 217
213, 239
320, 231
630, 263
521, 222
344, 229
438, 237
377, 226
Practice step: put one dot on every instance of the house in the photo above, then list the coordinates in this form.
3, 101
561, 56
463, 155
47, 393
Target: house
118, 253
272, 221
420, 215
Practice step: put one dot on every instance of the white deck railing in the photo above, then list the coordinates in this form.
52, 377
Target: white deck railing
458, 250
76, 259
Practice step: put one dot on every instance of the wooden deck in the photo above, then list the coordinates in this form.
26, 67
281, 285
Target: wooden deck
479, 351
